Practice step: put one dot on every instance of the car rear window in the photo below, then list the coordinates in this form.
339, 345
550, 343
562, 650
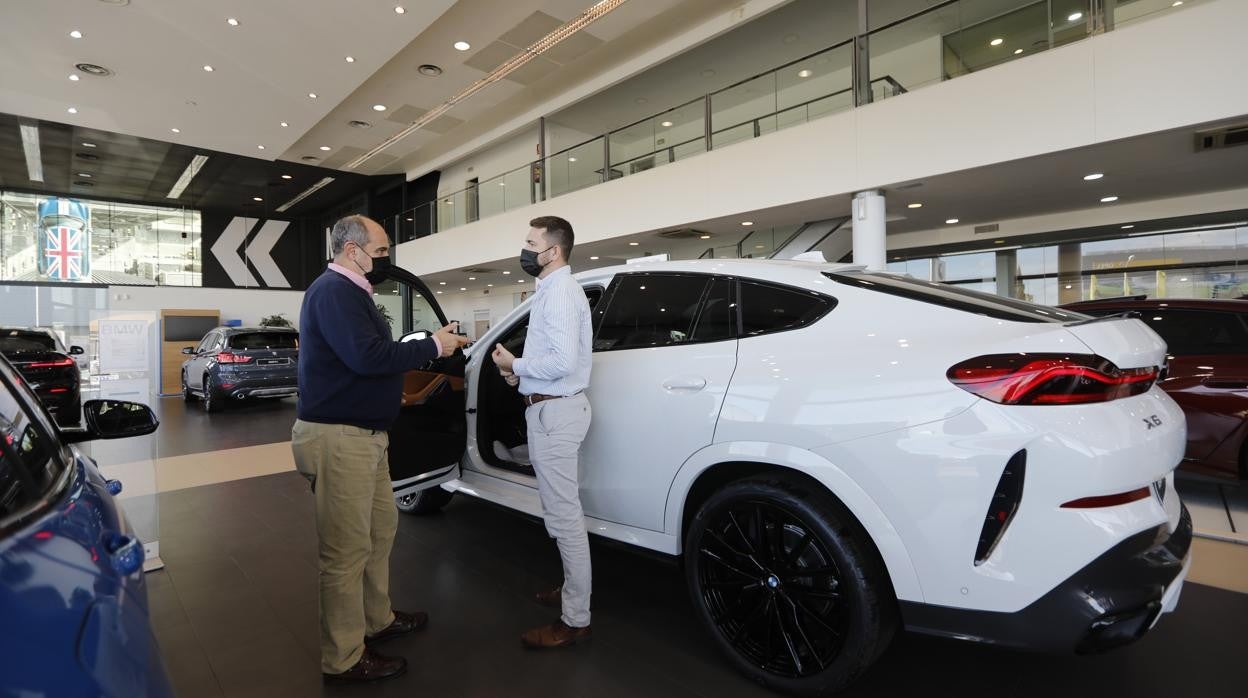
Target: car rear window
956, 298
19, 340
265, 340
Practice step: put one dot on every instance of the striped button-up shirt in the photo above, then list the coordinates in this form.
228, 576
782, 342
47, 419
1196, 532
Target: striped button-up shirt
558, 350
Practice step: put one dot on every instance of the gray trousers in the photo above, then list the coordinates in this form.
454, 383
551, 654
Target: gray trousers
556, 430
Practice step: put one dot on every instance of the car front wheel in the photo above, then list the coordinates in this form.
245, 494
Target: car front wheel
788, 585
187, 395
424, 502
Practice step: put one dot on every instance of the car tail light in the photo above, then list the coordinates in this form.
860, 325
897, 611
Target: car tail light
1110, 500
226, 357
59, 363
1049, 379
1005, 501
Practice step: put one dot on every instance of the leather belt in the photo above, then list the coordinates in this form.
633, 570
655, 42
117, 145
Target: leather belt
535, 398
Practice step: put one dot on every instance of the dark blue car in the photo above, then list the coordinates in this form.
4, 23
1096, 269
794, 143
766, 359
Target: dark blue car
73, 603
239, 363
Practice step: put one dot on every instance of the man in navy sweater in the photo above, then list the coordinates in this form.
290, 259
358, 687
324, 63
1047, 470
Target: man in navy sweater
350, 387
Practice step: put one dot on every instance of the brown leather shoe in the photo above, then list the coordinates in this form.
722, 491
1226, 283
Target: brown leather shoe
554, 635
402, 624
371, 667
551, 598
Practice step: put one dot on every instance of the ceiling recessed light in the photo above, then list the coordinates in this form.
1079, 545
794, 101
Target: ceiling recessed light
998, 242
1017, 51
521, 280
441, 283
489, 285
439, 293
74, 77
790, 38
758, 247
284, 124
88, 145
350, 59
1075, 17
1177, 3
915, 205
462, 46
747, 222
996, 42
72, 110
260, 147
472, 278
666, 124
256, 198
207, 69
429, 70
704, 237
232, 22
804, 73
76, 34
634, 244
502, 184
463, 289
1108, 199
311, 95
593, 259
571, 159
1094, 175
506, 273
640, 101
287, 177
176, 130
951, 221
84, 175
379, 107
1127, 227
708, 73
398, 10
325, 147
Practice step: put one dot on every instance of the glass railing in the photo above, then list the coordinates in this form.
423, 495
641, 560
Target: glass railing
944, 41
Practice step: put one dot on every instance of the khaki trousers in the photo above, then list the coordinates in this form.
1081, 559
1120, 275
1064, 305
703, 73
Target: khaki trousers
556, 430
356, 520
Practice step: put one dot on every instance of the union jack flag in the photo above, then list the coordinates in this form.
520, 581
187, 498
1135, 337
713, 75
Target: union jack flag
64, 253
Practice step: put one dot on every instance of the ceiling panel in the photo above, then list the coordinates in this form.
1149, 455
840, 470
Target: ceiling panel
531, 30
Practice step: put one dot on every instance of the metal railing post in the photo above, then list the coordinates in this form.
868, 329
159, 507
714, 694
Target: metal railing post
861, 73
706, 121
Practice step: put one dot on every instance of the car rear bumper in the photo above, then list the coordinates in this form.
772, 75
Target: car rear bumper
1112, 601
280, 386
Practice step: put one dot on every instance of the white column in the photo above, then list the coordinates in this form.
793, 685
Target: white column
869, 227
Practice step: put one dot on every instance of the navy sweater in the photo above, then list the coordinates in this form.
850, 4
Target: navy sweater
350, 367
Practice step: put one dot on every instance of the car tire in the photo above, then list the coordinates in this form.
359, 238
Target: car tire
73, 413
212, 402
187, 395
746, 553
424, 502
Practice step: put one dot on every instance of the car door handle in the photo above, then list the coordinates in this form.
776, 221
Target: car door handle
690, 383
125, 552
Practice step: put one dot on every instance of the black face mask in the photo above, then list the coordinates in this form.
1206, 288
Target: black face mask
528, 261
381, 265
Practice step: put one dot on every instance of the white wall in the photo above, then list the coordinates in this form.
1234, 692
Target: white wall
462, 306
247, 305
1150, 76
517, 151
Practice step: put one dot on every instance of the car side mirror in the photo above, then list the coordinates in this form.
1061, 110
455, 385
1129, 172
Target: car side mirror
112, 419
414, 336
188, 350
76, 350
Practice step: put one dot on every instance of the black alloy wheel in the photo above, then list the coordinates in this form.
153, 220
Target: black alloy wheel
424, 502
788, 585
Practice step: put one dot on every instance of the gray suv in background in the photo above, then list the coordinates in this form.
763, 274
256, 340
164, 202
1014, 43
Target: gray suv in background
236, 363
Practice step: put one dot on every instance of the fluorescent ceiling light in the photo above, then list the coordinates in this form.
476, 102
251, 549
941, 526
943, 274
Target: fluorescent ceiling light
462, 46
30, 146
306, 193
188, 174
1093, 176
584, 19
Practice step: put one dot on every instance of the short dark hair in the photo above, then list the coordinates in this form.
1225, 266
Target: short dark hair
558, 232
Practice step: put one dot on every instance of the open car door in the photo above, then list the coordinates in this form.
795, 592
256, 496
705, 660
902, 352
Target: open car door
427, 440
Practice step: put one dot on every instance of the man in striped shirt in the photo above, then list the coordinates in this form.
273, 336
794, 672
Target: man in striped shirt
553, 375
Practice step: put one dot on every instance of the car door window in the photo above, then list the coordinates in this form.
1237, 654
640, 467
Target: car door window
718, 319
766, 308
651, 310
1189, 332
206, 343
27, 467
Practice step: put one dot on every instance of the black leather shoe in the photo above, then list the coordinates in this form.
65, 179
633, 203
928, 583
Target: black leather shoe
402, 624
371, 667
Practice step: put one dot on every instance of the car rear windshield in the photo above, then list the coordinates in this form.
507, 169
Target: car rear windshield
18, 340
265, 340
956, 298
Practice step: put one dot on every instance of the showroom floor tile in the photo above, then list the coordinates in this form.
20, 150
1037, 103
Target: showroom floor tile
235, 612
1218, 510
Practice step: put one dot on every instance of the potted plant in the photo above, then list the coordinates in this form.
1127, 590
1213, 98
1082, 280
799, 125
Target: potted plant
278, 320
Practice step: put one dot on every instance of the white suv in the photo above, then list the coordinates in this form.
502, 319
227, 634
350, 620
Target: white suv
836, 454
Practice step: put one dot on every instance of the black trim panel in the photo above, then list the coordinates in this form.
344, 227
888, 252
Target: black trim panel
1110, 602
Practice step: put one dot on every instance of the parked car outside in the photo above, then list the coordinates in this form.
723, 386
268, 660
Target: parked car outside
1207, 373
237, 363
72, 593
49, 368
837, 455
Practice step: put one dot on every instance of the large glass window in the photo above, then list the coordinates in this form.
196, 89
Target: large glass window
650, 310
73, 240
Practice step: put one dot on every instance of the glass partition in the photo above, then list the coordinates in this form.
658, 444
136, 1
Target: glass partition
575, 168
659, 140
